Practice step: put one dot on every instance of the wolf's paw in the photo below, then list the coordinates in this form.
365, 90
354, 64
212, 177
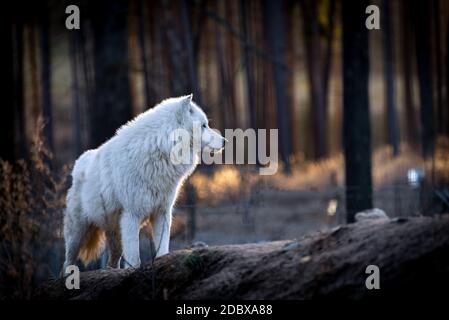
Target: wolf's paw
124, 264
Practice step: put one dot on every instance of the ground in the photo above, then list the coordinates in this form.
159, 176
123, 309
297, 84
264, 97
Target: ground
411, 254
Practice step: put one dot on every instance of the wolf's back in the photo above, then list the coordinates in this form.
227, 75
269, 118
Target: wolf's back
82, 163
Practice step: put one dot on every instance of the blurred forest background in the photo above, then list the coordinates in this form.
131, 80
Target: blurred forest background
375, 102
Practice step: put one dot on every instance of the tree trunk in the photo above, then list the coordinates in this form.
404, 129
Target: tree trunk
179, 77
12, 120
245, 25
112, 106
149, 97
421, 18
332, 8
446, 107
35, 102
437, 66
46, 77
407, 47
389, 73
315, 73
193, 84
274, 23
160, 60
223, 76
188, 44
356, 119
231, 62
76, 92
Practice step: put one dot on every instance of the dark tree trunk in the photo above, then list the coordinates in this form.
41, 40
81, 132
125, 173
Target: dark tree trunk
194, 87
274, 23
231, 61
389, 73
421, 18
329, 45
315, 73
7, 151
197, 35
446, 107
179, 78
12, 120
112, 107
356, 119
437, 66
35, 102
188, 45
149, 97
247, 62
223, 76
81, 62
46, 76
76, 92
160, 60
410, 115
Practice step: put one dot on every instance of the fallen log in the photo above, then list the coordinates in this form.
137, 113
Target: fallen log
412, 255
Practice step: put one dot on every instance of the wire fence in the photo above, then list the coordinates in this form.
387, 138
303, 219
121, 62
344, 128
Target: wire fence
327, 204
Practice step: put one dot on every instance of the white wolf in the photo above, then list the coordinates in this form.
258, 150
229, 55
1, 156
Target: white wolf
131, 179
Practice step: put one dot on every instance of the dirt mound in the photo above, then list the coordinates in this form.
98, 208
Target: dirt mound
412, 255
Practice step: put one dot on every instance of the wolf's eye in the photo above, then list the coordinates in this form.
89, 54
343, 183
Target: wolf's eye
204, 125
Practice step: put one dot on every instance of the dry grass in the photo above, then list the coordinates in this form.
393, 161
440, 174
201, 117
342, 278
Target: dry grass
231, 182
316, 175
225, 183
31, 202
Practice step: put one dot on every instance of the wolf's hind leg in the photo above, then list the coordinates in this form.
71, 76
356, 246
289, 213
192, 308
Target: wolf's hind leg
114, 245
74, 232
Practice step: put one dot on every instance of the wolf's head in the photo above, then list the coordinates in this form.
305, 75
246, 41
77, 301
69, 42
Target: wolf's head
192, 118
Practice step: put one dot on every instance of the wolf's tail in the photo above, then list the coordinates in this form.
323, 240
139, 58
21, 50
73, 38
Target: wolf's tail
92, 245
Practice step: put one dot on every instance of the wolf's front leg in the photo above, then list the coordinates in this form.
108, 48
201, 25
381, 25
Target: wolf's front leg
130, 227
161, 232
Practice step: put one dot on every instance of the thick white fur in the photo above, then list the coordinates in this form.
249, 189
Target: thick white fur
128, 180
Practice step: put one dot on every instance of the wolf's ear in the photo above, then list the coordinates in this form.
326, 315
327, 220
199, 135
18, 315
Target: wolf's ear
185, 108
187, 100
